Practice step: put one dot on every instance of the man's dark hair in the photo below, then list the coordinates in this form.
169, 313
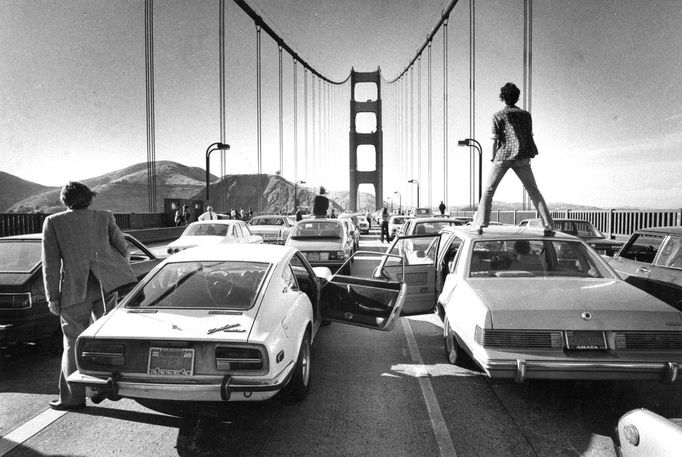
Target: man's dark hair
75, 195
509, 93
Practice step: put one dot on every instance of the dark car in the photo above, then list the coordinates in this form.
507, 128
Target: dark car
584, 230
24, 315
652, 260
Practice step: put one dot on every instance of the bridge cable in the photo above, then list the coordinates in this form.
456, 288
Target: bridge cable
472, 101
445, 111
305, 122
295, 123
221, 52
258, 112
281, 118
411, 131
429, 166
419, 121
151, 128
312, 127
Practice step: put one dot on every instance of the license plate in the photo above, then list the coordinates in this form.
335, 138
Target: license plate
313, 256
171, 361
585, 341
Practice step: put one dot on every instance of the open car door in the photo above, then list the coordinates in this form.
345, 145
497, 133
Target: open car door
366, 302
413, 259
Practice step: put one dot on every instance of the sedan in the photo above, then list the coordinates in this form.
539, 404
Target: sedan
524, 305
394, 224
324, 243
652, 260
585, 231
273, 228
223, 324
203, 233
24, 315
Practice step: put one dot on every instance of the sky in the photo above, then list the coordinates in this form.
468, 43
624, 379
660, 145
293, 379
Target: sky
605, 92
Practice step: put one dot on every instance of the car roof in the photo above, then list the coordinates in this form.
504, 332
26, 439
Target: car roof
505, 232
267, 253
671, 229
28, 236
269, 215
217, 221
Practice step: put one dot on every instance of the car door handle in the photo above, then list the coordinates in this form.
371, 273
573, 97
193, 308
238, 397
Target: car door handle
642, 270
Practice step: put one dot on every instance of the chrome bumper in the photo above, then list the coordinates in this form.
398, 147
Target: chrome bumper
213, 388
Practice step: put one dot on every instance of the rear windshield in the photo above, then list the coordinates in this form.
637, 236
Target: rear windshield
317, 229
206, 230
19, 256
433, 227
527, 258
225, 285
267, 221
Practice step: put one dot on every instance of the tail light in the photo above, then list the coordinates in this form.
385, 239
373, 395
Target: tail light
239, 359
16, 301
337, 255
101, 355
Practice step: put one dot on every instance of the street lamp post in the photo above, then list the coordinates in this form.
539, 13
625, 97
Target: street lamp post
473, 143
390, 200
295, 197
414, 181
214, 147
400, 202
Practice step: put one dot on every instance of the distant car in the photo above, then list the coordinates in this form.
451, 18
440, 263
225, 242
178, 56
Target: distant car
585, 231
202, 233
353, 232
642, 433
273, 228
24, 315
220, 324
524, 305
423, 212
394, 223
652, 260
425, 226
363, 225
324, 243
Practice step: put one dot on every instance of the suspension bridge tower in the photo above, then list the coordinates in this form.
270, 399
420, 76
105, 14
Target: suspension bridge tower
374, 139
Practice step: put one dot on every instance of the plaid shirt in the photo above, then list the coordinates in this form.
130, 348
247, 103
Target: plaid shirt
513, 128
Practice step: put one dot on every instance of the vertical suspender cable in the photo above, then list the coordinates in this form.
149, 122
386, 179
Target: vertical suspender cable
305, 123
472, 100
429, 163
295, 123
258, 113
281, 117
314, 146
527, 68
149, 79
445, 111
419, 120
221, 76
411, 129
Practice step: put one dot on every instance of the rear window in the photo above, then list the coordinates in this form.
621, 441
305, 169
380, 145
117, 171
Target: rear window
317, 229
267, 221
19, 256
642, 248
433, 227
206, 230
224, 285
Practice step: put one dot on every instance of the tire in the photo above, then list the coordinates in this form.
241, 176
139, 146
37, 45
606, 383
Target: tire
453, 351
299, 385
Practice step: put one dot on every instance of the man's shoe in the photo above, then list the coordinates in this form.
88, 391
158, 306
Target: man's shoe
549, 232
59, 406
98, 398
477, 229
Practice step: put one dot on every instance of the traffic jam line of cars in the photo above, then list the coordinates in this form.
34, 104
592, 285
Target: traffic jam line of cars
235, 321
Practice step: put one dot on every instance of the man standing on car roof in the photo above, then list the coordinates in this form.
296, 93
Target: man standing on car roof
85, 260
320, 204
513, 147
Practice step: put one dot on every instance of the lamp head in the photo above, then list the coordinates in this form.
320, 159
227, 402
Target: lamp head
463, 142
223, 146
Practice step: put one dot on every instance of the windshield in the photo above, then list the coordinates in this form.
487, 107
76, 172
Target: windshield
433, 227
317, 229
206, 230
398, 220
267, 221
19, 256
524, 258
225, 285
580, 229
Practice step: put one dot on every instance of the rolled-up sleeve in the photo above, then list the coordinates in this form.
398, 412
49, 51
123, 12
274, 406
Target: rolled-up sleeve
52, 262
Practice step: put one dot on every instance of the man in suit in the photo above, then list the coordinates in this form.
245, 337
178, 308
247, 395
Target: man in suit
209, 215
85, 260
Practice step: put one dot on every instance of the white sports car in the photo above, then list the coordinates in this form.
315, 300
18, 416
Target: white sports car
523, 305
223, 324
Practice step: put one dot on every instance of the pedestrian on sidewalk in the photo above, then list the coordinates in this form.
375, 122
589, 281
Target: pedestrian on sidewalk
513, 147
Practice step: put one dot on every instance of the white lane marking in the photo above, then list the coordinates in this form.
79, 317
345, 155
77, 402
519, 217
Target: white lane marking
27, 430
438, 424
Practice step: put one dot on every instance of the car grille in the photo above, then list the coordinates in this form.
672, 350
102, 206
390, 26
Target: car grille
530, 339
649, 341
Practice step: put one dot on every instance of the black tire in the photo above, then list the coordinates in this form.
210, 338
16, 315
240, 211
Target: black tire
299, 385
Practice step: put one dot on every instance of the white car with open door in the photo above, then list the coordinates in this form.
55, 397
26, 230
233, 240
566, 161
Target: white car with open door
224, 323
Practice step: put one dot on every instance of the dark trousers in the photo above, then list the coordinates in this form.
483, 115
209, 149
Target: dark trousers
384, 231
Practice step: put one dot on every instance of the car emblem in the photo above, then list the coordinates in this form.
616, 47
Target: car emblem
587, 316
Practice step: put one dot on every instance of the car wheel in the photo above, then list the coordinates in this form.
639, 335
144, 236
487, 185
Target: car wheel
453, 350
299, 385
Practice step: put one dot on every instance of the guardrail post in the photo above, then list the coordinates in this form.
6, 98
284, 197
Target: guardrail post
611, 211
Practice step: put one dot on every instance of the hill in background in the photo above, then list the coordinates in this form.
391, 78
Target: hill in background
15, 189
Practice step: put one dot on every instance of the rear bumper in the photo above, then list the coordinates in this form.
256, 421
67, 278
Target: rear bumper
206, 388
522, 369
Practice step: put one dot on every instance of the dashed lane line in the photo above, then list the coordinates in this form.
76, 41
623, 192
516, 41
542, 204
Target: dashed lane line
438, 424
27, 430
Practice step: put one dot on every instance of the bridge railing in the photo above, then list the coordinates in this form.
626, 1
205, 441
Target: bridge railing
611, 222
22, 224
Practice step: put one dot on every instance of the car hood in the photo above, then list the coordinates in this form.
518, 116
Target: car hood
176, 324
317, 245
602, 242
543, 303
188, 241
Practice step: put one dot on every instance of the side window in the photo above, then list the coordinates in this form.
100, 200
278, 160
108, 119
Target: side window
642, 248
289, 277
456, 244
136, 253
671, 253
